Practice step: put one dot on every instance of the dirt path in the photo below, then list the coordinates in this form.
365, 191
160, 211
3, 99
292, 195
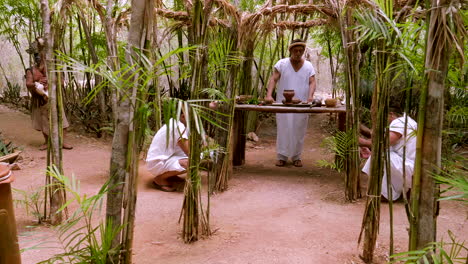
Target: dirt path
268, 215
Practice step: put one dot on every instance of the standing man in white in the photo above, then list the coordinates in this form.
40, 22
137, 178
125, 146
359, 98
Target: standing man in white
293, 73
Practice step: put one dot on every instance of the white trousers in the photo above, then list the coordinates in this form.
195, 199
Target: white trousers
291, 130
158, 167
396, 170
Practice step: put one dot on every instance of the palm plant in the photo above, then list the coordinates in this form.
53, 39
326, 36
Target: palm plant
351, 54
377, 25
82, 240
454, 180
340, 144
441, 252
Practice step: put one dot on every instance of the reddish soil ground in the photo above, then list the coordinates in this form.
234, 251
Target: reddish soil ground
268, 215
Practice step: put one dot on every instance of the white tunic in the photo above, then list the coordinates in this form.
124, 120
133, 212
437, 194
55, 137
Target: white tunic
292, 127
396, 157
164, 153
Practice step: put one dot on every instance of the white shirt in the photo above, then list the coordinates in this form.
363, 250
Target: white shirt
292, 80
164, 144
398, 126
292, 127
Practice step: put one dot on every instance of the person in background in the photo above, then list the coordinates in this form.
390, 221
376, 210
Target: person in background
36, 82
293, 73
168, 154
399, 141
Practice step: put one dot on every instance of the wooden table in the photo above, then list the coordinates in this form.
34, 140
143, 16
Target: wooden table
239, 122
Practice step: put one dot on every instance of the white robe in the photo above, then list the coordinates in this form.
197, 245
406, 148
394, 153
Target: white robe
164, 153
291, 127
396, 158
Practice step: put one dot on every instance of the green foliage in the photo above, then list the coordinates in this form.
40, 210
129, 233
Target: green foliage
442, 252
82, 240
17, 17
339, 144
221, 57
454, 179
323, 36
32, 201
99, 42
11, 94
6, 147
250, 5
458, 116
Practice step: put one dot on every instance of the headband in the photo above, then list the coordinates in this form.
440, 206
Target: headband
297, 44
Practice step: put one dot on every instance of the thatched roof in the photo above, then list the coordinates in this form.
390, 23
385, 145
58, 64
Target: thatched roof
251, 20
295, 25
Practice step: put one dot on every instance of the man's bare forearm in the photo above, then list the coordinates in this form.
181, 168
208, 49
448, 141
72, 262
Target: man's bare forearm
363, 142
184, 145
312, 87
365, 130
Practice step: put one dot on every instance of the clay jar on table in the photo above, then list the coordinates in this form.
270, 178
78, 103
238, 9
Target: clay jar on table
331, 102
288, 95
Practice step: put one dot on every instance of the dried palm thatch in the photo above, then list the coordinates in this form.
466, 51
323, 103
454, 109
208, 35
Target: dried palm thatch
283, 25
185, 20
297, 9
176, 15
249, 22
230, 10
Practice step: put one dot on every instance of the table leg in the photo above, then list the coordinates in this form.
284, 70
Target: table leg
239, 138
342, 121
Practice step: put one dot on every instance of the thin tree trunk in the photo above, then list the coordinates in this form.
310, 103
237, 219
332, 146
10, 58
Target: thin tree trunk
121, 118
193, 216
379, 110
57, 198
429, 138
351, 53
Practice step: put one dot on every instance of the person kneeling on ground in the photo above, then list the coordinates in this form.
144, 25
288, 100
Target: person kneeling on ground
398, 141
168, 154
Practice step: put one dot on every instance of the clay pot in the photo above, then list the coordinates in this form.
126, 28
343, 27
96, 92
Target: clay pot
331, 102
317, 102
288, 95
296, 101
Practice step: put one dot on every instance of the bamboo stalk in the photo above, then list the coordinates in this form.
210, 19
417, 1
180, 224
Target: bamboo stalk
371, 218
192, 212
439, 40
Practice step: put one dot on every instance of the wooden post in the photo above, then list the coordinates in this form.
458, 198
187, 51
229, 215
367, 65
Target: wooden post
9, 247
239, 138
342, 121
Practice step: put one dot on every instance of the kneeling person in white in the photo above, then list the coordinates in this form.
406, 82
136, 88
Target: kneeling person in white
398, 140
168, 154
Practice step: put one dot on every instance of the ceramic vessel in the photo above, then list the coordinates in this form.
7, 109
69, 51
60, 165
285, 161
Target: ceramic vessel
288, 95
331, 102
296, 101
317, 102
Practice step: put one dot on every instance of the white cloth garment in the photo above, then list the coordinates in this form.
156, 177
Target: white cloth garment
396, 158
291, 128
164, 153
